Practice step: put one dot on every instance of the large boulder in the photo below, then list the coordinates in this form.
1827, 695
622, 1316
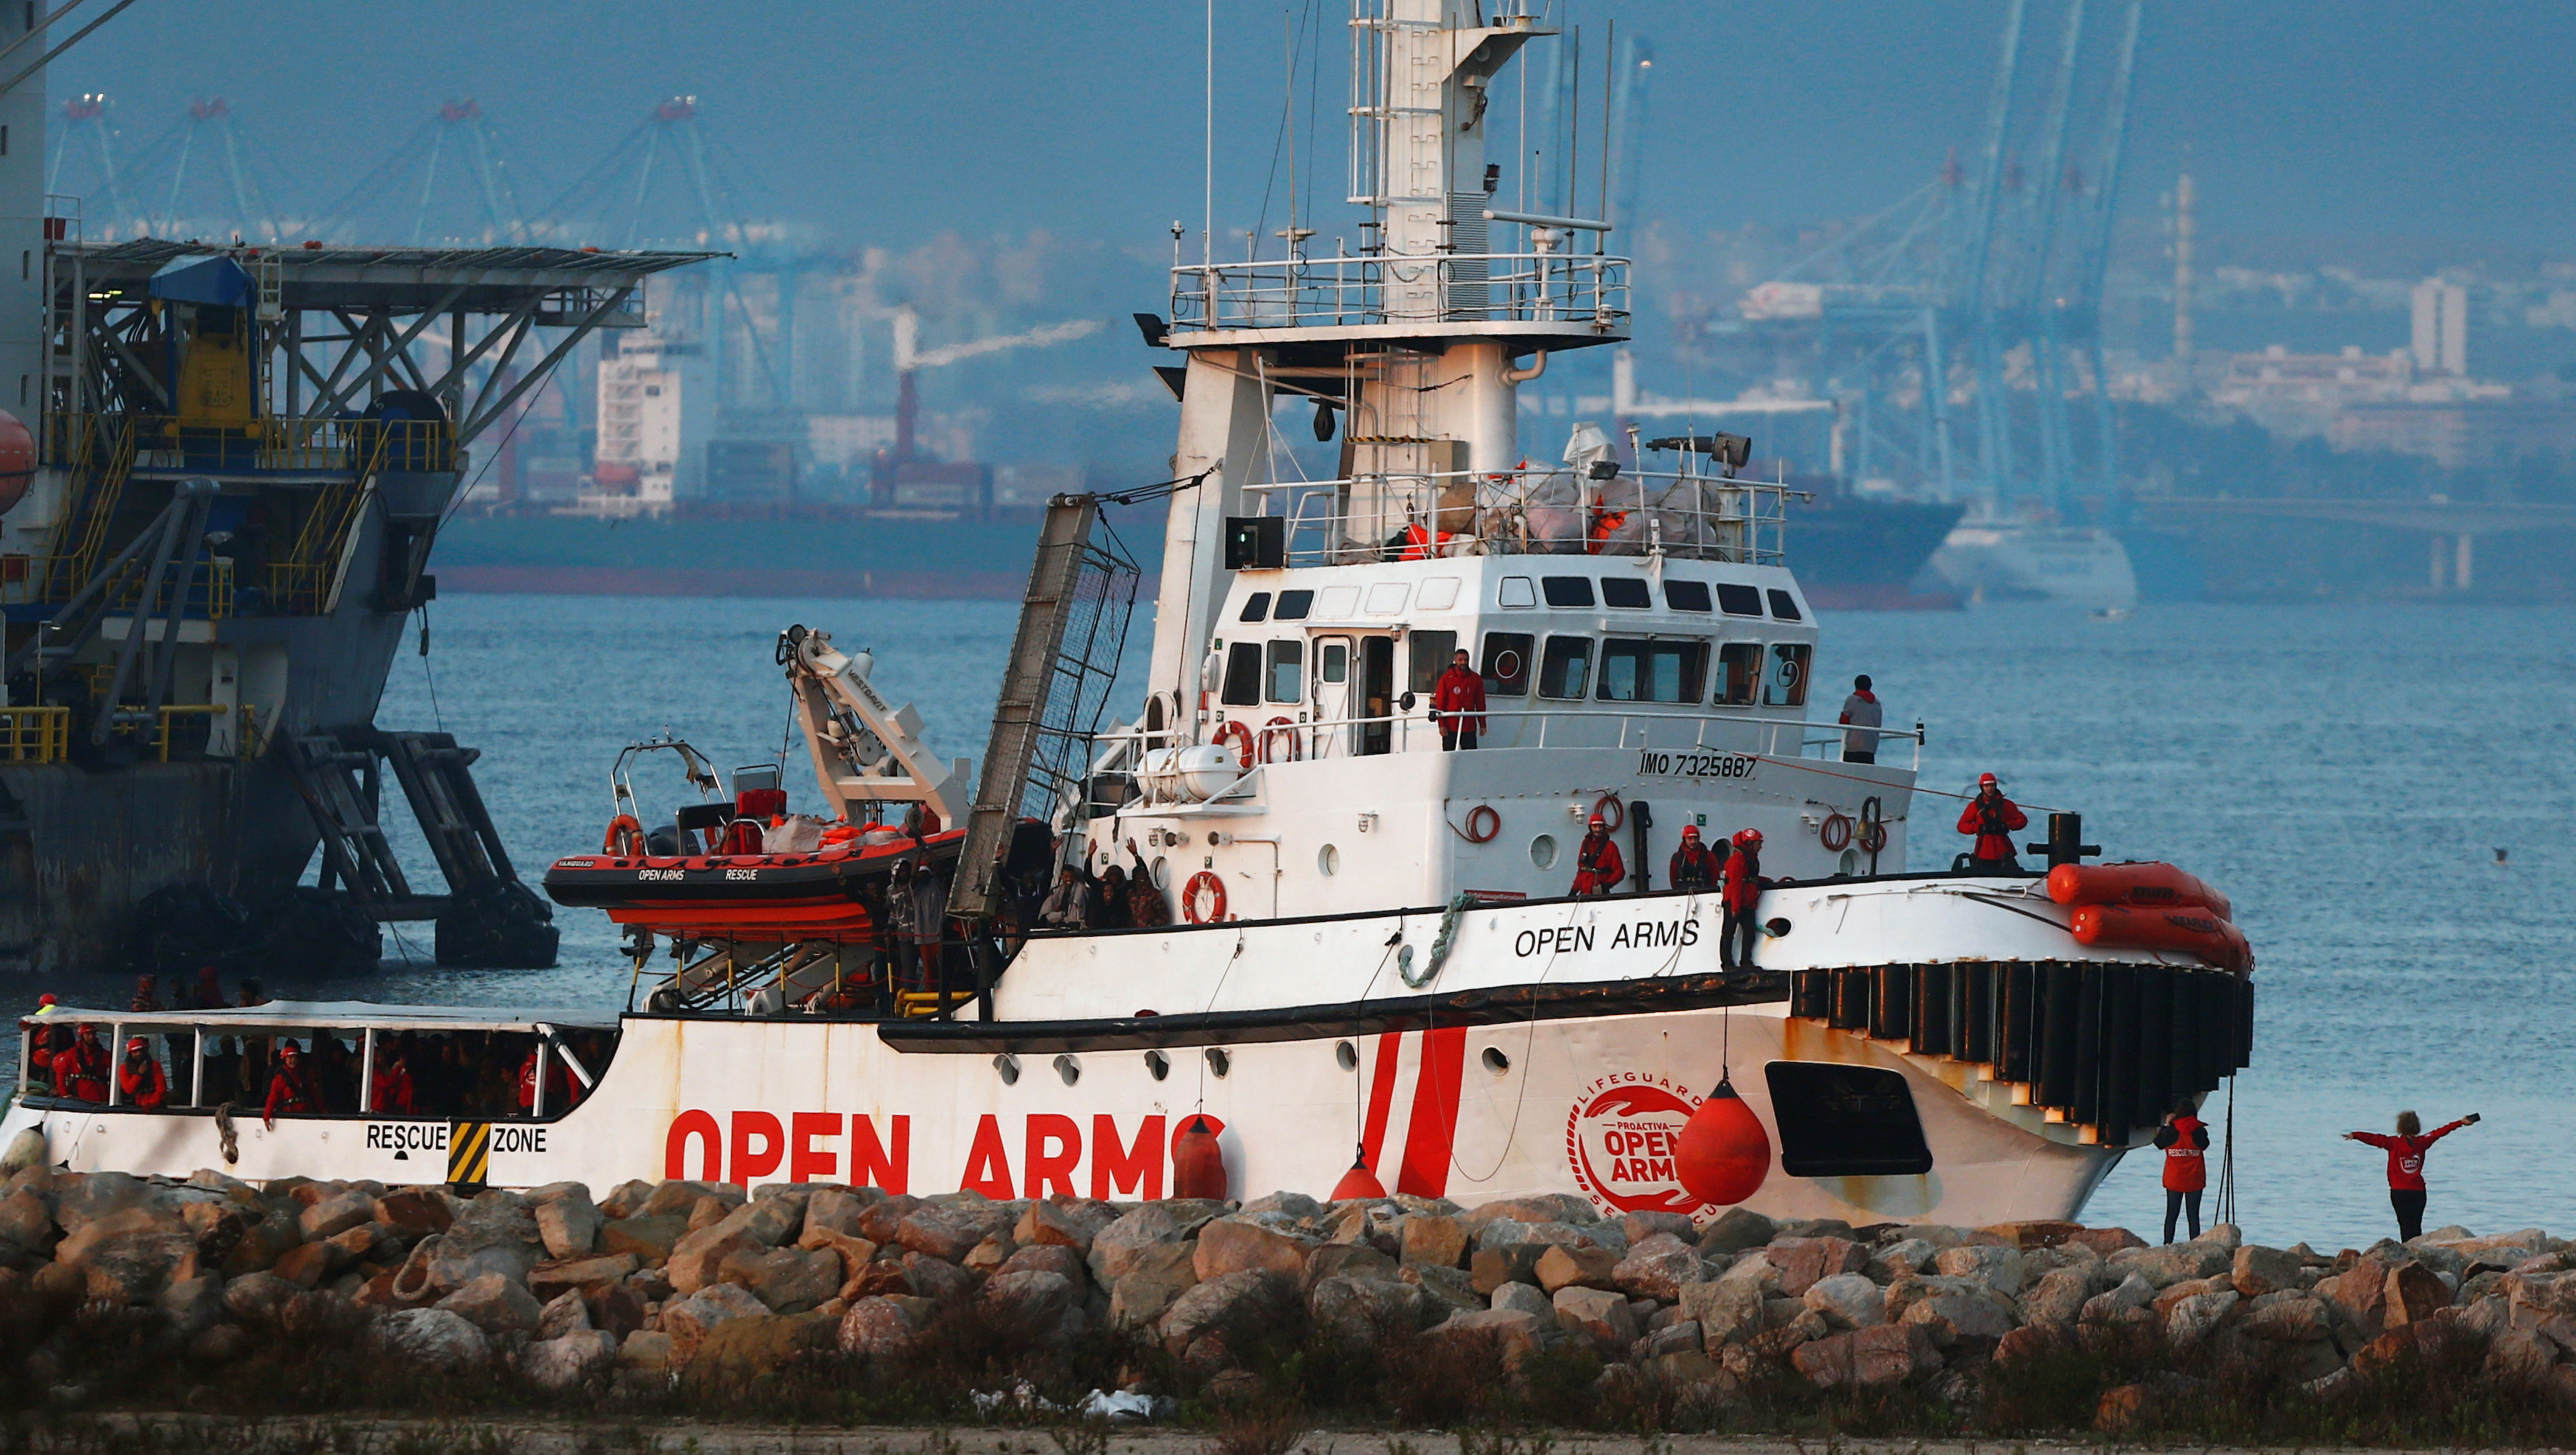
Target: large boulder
2056, 1300
2192, 1319
950, 1231
1867, 1358
1156, 1275
2415, 1293
651, 1239
1050, 1224
689, 1320
569, 1360
495, 1304
880, 1328
1848, 1301
435, 1338
2002, 1269
413, 1214
1361, 1313
1737, 1230
1511, 1333
2258, 1270
1954, 1320
569, 1224
1550, 1207
80, 1200
1529, 1298
788, 1281
1599, 1314
1237, 1245
1236, 1308
737, 1351
547, 1280
1657, 1266
1032, 1303
257, 1298
565, 1313
2290, 1319
698, 1259
2175, 1263
1727, 1311
1116, 1247
26, 1229
1576, 1267
1802, 1261
1438, 1241
129, 1256
936, 1278
336, 1214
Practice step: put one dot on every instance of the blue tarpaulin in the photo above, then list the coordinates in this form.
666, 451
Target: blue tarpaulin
219, 281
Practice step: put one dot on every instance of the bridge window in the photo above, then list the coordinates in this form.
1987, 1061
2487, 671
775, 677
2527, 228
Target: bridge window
1652, 671
1626, 592
1846, 1121
1340, 603
1514, 591
1567, 590
1426, 657
1786, 684
1293, 605
1334, 662
1737, 600
1739, 669
1242, 675
1256, 607
1566, 669
1288, 671
1507, 663
1784, 605
1685, 595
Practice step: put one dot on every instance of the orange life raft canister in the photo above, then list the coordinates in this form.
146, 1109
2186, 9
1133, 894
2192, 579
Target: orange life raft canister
2191, 930
2146, 886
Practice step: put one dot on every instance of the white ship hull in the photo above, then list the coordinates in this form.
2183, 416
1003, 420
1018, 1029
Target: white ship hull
1558, 1048
2077, 565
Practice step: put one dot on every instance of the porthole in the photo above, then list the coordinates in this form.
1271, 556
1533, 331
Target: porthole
1328, 861
1219, 1062
1496, 1061
1347, 1054
1008, 1066
1069, 1069
1157, 1065
1162, 872
1543, 851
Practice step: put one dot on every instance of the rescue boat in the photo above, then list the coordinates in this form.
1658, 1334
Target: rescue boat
1358, 964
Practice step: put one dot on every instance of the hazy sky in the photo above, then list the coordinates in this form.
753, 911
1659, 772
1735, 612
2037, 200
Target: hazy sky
883, 122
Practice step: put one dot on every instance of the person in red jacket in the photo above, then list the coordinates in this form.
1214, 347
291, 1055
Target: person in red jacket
80, 1069
389, 1091
1738, 932
1457, 704
139, 1082
2406, 1166
1597, 865
2184, 1139
41, 1040
1992, 818
559, 1089
291, 1090
1693, 867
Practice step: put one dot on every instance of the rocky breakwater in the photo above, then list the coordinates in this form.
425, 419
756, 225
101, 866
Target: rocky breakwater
657, 1281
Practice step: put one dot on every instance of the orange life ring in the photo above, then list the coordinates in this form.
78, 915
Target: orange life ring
1493, 824
1203, 881
625, 837
1235, 732
1836, 832
1283, 729
1613, 812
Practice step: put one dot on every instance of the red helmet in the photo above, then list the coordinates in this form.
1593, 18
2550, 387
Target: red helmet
1986, 780
45, 999
1749, 836
1690, 831
1599, 822
133, 1045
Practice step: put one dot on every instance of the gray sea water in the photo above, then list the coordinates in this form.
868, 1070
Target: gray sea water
2347, 774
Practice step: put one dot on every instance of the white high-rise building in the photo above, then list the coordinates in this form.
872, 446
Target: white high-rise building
2441, 336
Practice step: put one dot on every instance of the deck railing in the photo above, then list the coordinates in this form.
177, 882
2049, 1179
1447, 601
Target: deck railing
34, 734
1418, 515
1581, 290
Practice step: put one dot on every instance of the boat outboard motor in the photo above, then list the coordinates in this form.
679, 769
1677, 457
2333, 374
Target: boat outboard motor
663, 842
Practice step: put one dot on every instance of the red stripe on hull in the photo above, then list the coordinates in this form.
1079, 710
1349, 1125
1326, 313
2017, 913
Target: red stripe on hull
1433, 1132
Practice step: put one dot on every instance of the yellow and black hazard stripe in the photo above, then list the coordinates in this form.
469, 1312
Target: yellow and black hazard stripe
469, 1153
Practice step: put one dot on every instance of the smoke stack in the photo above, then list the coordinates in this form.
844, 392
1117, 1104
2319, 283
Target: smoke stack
2184, 197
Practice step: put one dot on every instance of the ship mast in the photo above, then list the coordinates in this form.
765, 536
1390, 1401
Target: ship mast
1414, 336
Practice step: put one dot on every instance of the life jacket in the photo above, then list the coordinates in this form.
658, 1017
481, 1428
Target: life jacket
1744, 879
1421, 545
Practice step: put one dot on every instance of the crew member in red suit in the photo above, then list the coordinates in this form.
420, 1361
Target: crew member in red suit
1992, 818
80, 1069
41, 1039
2184, 1139
389, 1090
1693, 867
2406, 1166
559, 1092
291, 1090
139, 1082
1597, 865
1738, 932
1457, 704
